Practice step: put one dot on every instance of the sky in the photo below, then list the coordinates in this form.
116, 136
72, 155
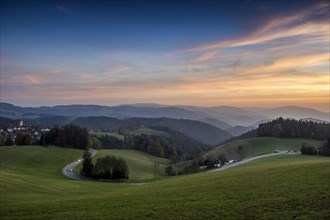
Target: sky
245, 53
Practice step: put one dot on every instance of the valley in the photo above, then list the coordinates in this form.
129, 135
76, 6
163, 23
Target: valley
164, 110
172, 166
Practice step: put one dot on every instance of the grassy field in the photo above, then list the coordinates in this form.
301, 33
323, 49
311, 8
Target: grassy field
99, 134
261, 145
149, 131
141, 166
281, 187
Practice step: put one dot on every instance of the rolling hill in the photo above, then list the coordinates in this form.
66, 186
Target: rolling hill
283, 187
243, 148
197, 130
142, 166
225, 114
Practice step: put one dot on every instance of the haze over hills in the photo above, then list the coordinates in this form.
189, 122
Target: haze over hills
203, 132
227, 115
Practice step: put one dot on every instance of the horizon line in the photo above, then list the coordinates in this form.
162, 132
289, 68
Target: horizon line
162, 105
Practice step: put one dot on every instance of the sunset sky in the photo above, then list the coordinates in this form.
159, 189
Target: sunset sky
207, 53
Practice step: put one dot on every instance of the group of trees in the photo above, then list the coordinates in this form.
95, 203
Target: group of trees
169, 171
323, 150
6, 140
108, 167
175, 147
22, 138
160, 146
294, 129
299, 129
66, 136
94, 143
196, 163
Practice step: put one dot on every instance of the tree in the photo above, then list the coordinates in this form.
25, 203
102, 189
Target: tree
210, 161
222, 158
2, 139
120, 169
67, 136
88, 166
308, 150
324, 150
277, 130
23, 139
9, 141
94, 143
111, 168
155, 149
169, 171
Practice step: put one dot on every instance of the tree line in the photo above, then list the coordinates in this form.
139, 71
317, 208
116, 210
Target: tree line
108, 167
22, 138
66, 136
292, 128
177, 147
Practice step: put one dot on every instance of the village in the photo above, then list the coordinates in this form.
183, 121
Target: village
32, 133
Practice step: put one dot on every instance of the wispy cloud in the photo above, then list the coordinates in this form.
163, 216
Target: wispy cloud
28, 79
299, 24
285, 61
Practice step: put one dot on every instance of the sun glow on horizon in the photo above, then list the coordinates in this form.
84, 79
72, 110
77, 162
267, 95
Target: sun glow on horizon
284, 61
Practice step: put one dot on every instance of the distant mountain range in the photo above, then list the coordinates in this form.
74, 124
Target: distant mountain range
231, 119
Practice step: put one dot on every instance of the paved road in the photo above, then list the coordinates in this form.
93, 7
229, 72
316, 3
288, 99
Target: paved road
69, 169
224, 167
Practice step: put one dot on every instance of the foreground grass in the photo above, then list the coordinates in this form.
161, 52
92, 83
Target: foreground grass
261, 145
282, 187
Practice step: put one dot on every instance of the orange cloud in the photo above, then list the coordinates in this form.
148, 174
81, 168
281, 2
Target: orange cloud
25, 79
278, 28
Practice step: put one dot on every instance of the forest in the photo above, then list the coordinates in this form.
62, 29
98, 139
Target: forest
292, 128
177, 147
66, 136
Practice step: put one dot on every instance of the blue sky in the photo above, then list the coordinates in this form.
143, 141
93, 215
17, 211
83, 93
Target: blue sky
172, 52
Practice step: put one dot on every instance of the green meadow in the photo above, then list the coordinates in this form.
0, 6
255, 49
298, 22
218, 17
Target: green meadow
149, 131
281, 187
99, 134
142, 166
262, 145
137, 132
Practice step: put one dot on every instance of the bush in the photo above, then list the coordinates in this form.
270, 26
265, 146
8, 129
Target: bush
169, 171
307, 150
324, 150
9, 141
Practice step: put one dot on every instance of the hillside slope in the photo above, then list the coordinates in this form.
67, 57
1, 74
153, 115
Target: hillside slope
142, 166
285, 187
243, 148
200, 131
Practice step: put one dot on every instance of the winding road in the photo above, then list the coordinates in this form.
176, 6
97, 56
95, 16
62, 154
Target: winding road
224, 167
68, 171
